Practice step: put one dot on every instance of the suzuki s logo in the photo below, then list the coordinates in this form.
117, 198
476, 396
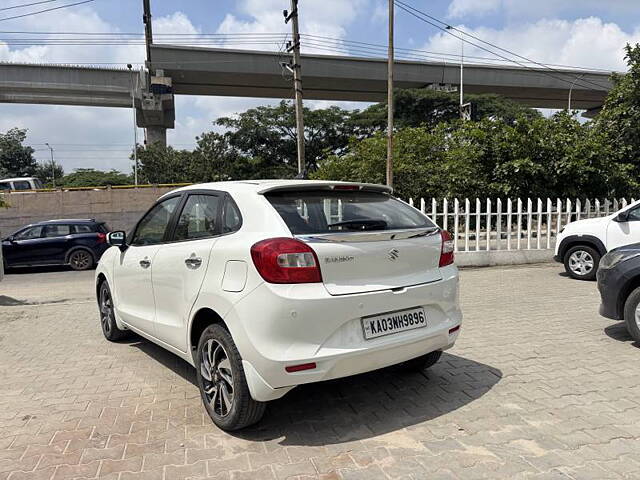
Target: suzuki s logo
393, 254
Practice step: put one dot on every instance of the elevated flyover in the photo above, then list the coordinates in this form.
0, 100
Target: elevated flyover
66, 85
178, 70
207, 71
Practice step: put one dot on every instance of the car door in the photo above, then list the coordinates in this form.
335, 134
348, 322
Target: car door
180, 266
134, 301
624, 233
56, 242
24, 247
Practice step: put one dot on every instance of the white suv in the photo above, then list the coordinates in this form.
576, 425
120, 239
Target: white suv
580, 245
266, 285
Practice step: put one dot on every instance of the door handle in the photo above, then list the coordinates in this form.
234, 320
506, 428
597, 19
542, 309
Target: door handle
193, 262
145, 262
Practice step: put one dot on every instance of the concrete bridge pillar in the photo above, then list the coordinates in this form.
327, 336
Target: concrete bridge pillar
155, 108
156, 135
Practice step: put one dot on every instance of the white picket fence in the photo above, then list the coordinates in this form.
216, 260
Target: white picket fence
494, 224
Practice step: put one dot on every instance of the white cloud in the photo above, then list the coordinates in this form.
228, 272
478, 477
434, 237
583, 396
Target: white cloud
538, 9
327, 18
585, 42
460, 8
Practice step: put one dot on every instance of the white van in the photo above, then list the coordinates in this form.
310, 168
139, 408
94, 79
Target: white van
20, 184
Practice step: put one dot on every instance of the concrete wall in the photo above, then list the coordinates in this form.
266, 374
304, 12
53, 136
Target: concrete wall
503, 257
120, 208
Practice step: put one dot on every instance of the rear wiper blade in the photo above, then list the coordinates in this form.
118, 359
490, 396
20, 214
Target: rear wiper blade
362, 224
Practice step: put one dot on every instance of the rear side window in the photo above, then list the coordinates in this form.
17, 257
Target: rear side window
232, 220
199, 218
5, 186
57, 230
327, 211
82, 228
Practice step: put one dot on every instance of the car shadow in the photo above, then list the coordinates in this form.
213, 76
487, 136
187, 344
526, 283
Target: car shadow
358, 407
618, 331
373, 403
43, 269
6, 301
174, 363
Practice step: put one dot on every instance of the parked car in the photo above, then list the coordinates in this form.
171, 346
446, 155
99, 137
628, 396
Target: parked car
75, 242
266, 285
20, 184
580, 245
619, 286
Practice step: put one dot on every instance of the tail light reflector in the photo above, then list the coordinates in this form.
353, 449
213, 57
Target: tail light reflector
286, 260
299, 368
446, 252
454, 329
102, 237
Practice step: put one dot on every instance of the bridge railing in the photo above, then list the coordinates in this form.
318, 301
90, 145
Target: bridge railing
511, 224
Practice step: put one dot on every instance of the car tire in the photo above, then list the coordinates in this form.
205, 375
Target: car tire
421, 363
108, 323
632, 314
81, 259
222, 382
581, 262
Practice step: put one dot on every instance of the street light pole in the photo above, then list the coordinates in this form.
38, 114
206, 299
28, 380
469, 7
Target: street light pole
53, 166
571, 90
135, 129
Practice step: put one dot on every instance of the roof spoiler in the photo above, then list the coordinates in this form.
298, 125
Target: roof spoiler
307, 185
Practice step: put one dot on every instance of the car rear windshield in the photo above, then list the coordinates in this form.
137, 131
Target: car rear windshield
327, 211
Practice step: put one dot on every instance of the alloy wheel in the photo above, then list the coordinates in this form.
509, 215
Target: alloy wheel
217, 377
581, 262
106, 310
80, 260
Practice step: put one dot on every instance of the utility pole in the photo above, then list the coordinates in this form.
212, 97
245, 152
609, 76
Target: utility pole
297, 79
53, 166
148, 32
390, 61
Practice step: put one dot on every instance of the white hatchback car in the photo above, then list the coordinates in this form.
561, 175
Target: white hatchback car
266, 285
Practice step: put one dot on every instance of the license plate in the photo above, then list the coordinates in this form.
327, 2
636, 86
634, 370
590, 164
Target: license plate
393, 322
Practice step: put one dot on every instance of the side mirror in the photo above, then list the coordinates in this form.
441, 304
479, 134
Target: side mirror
622, 217
117, 239
10, 239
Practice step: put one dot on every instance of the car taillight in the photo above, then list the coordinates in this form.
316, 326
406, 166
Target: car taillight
102, 237
446, 252
286, 260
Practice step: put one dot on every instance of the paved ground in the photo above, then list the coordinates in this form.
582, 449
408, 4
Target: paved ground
538, 386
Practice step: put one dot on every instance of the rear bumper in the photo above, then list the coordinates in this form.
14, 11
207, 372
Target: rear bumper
276, 326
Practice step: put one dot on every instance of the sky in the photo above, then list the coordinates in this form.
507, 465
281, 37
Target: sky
584, 33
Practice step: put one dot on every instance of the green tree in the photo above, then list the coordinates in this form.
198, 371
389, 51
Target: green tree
45, 172
533, 157
268, 136
89, 177
158, 164
16, 159
425, 107
619, 120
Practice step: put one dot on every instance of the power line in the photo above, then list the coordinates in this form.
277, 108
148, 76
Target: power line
46, 10
26, 5
409, 9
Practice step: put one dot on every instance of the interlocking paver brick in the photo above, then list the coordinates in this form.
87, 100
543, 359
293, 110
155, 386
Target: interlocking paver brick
538, 386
